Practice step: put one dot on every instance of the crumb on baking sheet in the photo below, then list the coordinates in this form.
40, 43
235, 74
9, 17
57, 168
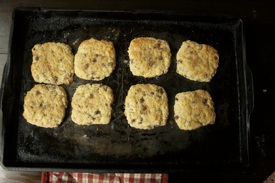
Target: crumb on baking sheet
171, 122
75, 41
66, 34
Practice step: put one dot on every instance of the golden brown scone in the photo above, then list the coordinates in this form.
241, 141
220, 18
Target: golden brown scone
146, 106
44, 105
53, 63
149, 57
95, 59
92, 104
194, 109
198, 62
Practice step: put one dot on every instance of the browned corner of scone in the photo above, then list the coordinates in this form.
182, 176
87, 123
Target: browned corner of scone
53, 63
197, 62
44, 105
194, 109
149, 57
95, 59
146, 106
92, 104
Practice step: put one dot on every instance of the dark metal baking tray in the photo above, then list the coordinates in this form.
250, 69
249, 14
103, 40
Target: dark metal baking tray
117, 147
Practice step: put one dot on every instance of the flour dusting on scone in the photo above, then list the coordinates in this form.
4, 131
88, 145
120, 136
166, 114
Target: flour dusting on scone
92, 104
197, 62
95, 59
53, 63
194, 109
44, 105
146, 106
149, 57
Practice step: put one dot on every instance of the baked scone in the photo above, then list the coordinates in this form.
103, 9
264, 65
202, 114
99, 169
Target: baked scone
149, 57
44, 105
194, 109
92, 104
53, 63
95, 59
146, 106
197, 62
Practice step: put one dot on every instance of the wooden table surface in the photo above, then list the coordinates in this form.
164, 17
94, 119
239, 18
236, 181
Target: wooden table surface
259, 23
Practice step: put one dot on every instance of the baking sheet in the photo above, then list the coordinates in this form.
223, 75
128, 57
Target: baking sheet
117, 146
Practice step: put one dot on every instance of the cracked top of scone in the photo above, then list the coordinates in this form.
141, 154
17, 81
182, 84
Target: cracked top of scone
95, 59
194, 109
197, 62
53, 63
92, 104
44, 105
149, 57
146, 106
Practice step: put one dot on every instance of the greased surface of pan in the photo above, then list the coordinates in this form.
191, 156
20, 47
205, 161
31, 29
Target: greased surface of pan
117, 145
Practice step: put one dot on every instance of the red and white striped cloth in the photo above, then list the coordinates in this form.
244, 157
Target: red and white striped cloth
63, 177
